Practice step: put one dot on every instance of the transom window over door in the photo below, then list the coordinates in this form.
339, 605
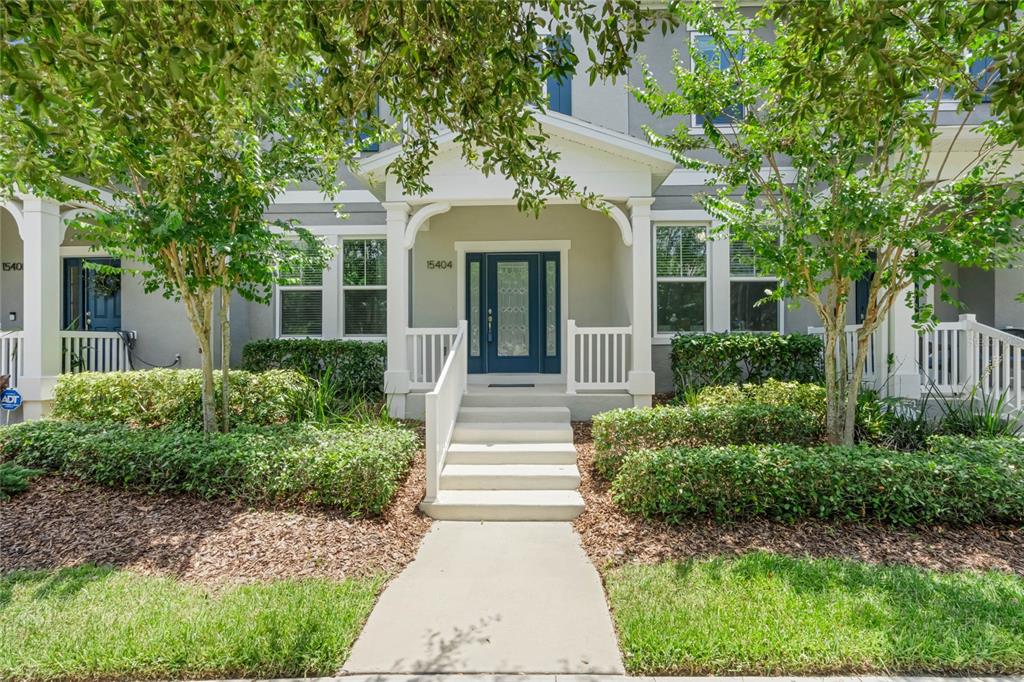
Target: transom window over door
681, 273
364, 287
747, 287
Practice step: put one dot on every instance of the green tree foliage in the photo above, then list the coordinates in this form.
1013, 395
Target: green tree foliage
850, 95
184, 120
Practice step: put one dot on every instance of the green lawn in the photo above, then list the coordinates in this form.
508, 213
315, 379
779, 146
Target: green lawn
767, 614
89, 623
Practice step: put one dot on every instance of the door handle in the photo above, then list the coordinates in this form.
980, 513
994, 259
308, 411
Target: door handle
490, 325
88, 320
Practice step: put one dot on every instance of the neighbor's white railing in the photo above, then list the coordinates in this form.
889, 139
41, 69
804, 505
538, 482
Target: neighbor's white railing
428, 349
597, 357
90, 351
877, 350
442, 409
994, 361
12, 362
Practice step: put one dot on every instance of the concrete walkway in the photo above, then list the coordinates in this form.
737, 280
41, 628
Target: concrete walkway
492, 597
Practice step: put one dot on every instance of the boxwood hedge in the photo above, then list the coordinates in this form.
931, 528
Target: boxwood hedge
157, 397
956, 480
700, 360
619, 432
356, 467
355, 369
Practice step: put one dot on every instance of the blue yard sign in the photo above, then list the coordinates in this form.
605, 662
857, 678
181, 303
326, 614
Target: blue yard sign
10, 399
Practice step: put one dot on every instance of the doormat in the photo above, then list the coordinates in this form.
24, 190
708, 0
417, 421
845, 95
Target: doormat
510, 385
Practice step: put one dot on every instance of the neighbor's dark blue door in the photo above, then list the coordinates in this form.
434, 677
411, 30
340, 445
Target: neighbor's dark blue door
92, 300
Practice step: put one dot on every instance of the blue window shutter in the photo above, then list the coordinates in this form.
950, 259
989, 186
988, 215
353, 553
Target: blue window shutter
560, 89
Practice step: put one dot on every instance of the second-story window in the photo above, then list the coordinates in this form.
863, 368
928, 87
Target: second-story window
559, 90
711, 54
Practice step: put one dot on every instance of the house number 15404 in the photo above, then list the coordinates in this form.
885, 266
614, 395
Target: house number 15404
439, 265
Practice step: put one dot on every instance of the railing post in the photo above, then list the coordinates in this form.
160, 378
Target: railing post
570, 358
968, 353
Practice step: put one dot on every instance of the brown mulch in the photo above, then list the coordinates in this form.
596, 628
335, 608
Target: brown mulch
63, 521
612, 538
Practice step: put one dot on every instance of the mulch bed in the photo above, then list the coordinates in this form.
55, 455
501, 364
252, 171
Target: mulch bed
612, 538
62, 522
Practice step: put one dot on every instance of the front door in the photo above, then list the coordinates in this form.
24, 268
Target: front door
514, 312
92, 300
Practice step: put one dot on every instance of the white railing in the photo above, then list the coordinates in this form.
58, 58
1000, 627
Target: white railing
428, 349
939, 355
597, 358
442, 409
12, 363
993, 360
94, 352
876, 350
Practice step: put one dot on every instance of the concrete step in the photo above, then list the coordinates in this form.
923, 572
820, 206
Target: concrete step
512, 397
510, 477
505, 505
511, 453
477, 415
518, 432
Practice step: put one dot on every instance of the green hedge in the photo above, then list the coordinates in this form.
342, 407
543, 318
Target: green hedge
700, 360
356, 468
619, 432
808, 397
158, 397
957, 480
354, 369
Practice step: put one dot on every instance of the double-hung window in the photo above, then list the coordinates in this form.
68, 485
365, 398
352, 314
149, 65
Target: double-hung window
301, 302
559, 90
681, 278
747, 289
364, 287
714, 56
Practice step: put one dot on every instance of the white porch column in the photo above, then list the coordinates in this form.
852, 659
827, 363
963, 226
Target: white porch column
905, 379
641, 375
396, 378
718, 280
41, 234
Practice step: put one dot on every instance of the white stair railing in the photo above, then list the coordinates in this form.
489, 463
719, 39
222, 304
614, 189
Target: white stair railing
91, 351
598, 358
876, 350
442, 409
993, 361
11, 359
428, 349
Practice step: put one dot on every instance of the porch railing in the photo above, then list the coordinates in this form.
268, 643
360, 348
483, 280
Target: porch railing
12, 363
428, 349
90, 351
442, 409
597, 358
877, 352
955, 357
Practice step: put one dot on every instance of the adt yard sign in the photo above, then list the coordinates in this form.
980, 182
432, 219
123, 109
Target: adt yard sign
10, 399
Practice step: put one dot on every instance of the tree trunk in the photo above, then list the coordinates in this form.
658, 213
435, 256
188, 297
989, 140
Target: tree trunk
833, 406
853, 388
225, 357
203, 328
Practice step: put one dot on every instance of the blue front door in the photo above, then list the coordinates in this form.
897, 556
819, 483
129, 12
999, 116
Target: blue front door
514, 312
92, 300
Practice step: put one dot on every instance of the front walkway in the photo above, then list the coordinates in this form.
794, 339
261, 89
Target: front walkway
492, 598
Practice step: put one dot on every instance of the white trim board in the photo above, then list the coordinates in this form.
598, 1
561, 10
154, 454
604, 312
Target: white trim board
315, 196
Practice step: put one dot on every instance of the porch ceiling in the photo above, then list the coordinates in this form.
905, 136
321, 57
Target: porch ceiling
606, 162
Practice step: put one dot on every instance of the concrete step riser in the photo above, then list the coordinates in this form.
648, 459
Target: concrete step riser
470, 482
513, 415
491, 400
485, 457
503, 512
512, 433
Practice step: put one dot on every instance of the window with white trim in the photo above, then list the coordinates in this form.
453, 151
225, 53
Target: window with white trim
747, 289
301, 302
681, 278
364, 289
714, 56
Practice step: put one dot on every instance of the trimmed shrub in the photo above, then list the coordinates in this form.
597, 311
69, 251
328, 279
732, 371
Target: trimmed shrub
700, 360
14, 479
956, 481
619, 432
354, 369
158, 397
356, 468
808, 397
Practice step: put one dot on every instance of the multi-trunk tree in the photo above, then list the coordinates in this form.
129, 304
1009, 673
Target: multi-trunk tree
838, 152
194, 116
